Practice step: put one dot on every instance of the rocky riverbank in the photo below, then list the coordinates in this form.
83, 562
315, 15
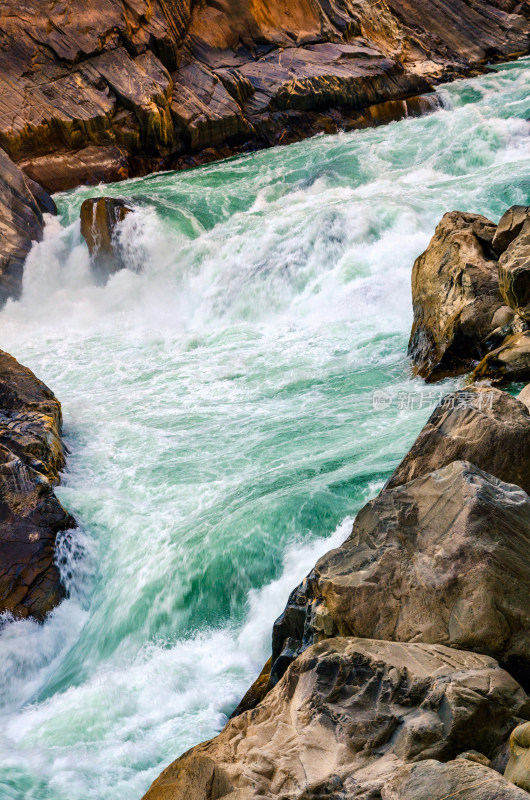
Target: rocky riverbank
127, 88
31, 517
401, 663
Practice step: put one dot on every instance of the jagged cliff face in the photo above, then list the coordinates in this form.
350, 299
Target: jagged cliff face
97, 90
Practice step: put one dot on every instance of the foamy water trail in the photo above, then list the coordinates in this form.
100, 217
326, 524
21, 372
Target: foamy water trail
217, 399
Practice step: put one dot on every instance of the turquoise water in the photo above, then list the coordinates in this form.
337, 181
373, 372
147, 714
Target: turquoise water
218, 407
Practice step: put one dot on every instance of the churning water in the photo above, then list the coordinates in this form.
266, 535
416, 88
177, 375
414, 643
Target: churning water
218, 407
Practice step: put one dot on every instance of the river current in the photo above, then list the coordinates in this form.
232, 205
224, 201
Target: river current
219, 409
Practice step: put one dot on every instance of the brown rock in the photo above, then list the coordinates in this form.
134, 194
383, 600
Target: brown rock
485, 426
443, 559
514, 271
100, 217
524, 396
90, 166
22, 203
518, 767
458, 779
455, 296
31, 457
508, 363
509, 227
345, 716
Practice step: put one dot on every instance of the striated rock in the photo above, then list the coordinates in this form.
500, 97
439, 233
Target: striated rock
92, 165
460, 779
144, 76
509, 362
346, 715
204, 112
100, 217
22, 203
31, 458
455, 296
443, 559
485, 426
518, 767
514, 271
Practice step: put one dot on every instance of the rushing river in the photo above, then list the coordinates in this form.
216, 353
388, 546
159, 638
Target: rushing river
218, 406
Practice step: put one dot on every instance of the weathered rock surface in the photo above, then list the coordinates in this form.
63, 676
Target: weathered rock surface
509, 227
518, 767
524, 396
508, 363
443, 559
346, 715
31, 458
22, 204
514, 268
455, 296
100, 217
157, 80
485, 426
457, 779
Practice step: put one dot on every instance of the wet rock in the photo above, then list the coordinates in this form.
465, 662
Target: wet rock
444, 559
459, 778
518, 767
508, 363
509, 227
31, 458
514, 272
346, 715
485, 426
455, 296
22, 204
100, 217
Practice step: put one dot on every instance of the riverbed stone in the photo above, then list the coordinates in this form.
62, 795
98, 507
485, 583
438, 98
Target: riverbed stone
347, 714
100, 218
506, 364
455, 296
509, 227
514, 272
518, 767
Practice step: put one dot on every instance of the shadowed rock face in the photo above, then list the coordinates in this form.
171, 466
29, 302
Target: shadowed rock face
346, 715
145, 84
31, 458
443, 559
22, 204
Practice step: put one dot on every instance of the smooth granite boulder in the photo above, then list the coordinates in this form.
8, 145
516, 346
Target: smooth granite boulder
345, 717
31, 458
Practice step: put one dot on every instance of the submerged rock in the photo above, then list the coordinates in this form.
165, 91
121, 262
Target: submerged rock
100, 217
444, 559
460, 779
31, 458
485, 426
455, 296
518, 767
22, 204
346, 715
